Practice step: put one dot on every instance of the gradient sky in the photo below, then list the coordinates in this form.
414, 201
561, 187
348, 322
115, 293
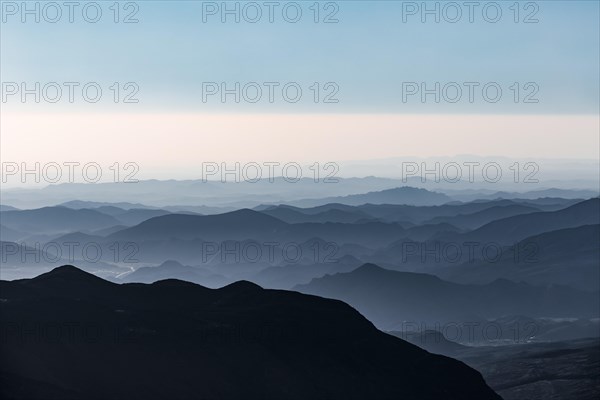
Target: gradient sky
368, 54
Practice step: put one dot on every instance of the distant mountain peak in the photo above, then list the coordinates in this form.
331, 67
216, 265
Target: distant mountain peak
65, 270
171, 264
70, 273
245, 211
369, 268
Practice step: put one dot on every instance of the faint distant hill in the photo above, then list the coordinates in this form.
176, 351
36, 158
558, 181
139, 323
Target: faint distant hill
56, 219
548, 203
116, 207
248, 224
492, 246
470, 195
389, 297
79, 204
518, 227
4, 207
402, 195
214, 193
566, 256
425, 214
240, 224
336, 212
187, 341
294, 215
552, 192
480, 218
134, 216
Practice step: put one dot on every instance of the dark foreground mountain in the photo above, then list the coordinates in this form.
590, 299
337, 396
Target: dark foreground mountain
68, 334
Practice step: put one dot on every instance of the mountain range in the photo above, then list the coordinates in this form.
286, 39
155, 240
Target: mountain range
391, 298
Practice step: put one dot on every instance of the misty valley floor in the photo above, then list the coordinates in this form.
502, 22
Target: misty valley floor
552, 371
534, 371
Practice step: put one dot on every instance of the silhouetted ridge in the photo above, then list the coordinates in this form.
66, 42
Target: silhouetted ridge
183, 342
69, 274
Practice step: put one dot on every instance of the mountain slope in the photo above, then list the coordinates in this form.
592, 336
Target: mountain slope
387, 298
512, 229
186, 341
422, 214
233, 225
477, 219
566, 256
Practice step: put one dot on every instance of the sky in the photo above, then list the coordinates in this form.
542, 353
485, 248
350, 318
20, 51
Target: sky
368, 80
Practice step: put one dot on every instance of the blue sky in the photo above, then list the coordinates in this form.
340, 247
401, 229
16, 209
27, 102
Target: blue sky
368, 54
